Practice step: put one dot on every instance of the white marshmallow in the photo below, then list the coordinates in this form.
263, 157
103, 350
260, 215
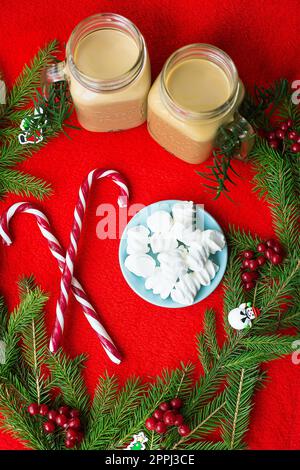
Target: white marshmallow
140, 264
162, 242
160, 222
185, 290
197, 257
138, 240
160, 284
184, 213
214, 240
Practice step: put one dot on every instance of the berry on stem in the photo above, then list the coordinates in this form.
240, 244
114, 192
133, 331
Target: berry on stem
261, 260
184, 430
169, 418
74, 413
248, 254
249, 286
178, 419
71, 434
280, 134
49, 427
52, 415
61, 420
164, 406
276, 259
269, 253
150, 424
158, 414
44, 410
295, 148
176, 403
33, 409
74, 423
253, 265
261, 247
70, 443
160, 427
64, 410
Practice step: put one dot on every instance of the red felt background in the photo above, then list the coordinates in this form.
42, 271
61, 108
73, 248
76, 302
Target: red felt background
262, 37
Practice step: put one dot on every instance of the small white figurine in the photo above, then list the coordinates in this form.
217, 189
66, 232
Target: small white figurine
138, 443
241, 317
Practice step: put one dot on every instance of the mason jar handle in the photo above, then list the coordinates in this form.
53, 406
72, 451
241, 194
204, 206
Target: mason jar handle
240, 134
51, 74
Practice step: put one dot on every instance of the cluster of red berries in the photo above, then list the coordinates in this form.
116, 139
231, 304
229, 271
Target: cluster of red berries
166, 415
284, 133
271, 250
65, 417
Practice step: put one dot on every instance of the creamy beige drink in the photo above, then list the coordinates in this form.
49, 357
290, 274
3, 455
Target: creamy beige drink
106, 54
191, 99
108, 71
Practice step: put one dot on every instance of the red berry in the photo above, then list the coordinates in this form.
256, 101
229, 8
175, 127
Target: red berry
253, 265
150, 424
158, 414
295, 148
280, 134
61, 420
33, 409
290, 123
261, 247
71, 434
269, 253
245, 263
261, 260
274, 144
176, 403
64, 410
292, 135
248, 254
74, 423
160, 427
283, 126
74, 413
246, 277
49, 427
271, 242
184, 430
271, 135
169, 418
278, 248
178, 419
164, 406
249, 285
44, 410
276, 259
70, 443
52, 415
297, 140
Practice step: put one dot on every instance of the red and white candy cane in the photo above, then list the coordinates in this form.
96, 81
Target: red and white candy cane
79, 212
58, 253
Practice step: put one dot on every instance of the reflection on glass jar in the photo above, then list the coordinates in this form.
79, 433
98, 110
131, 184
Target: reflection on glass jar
108, 70
197, 91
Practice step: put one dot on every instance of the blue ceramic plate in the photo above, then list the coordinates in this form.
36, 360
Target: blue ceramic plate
137, 284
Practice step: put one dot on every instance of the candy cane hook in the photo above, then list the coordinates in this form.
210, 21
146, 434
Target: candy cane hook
58, 253
79, 212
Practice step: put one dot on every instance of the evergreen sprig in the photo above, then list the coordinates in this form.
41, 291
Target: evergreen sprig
50, 118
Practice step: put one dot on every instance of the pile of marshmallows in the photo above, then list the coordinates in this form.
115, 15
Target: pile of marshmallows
172, 255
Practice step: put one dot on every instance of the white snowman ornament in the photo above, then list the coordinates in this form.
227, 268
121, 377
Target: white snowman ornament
241, 317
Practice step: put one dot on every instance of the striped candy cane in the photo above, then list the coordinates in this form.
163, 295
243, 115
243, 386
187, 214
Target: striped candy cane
67, 274
58, 253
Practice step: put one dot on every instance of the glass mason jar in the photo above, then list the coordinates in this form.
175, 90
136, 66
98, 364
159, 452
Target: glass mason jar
197, 92
108, 70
